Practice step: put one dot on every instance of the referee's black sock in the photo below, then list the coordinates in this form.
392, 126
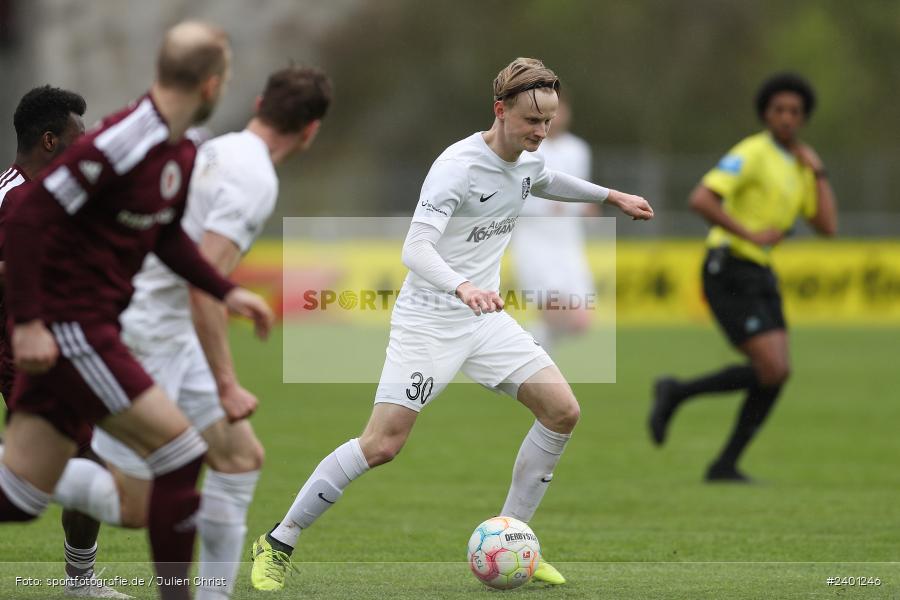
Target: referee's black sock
756, 408
734, 377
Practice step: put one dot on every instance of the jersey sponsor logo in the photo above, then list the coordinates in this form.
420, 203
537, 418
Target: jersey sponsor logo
429, 207
731, 164
143, 222
486, 198
483, 232
526, 187
91, 170
170, 180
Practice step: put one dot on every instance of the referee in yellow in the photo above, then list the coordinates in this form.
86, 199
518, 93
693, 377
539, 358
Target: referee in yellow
752, 199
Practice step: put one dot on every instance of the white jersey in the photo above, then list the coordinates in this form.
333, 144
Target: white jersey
232, 193
549, 246
473, 197
566, 153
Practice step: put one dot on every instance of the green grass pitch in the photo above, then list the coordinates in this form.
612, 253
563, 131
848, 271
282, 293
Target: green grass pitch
622, 518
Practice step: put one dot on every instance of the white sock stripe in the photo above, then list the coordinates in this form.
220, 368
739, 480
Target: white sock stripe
81, 558
25, 496
175, 446
77, 352
72, 548
177, 453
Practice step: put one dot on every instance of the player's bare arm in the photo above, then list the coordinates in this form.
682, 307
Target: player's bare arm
247, 304
825, 219
480, 301
708, 204
211, 324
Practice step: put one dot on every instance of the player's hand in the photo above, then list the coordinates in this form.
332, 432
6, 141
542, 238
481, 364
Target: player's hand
479, 301
252, 306
34, 347
237, 402
807, 156
634, 206
766, 237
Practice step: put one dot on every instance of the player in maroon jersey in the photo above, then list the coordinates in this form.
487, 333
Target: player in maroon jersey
73, 244
47, 120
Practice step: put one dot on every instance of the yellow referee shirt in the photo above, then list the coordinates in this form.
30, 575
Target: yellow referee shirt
763, 186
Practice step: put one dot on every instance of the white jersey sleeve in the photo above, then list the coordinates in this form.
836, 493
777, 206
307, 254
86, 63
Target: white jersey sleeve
444, 189
231, 215
232, 192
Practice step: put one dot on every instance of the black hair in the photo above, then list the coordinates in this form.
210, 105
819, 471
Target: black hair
785, 82
44, 109
295, 96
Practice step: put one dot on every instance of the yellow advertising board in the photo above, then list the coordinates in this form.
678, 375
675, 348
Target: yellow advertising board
656, 281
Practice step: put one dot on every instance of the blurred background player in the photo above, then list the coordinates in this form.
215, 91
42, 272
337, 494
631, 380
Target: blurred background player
46, 121
232, 194
448, 316
74, 241
752, 199
548, 246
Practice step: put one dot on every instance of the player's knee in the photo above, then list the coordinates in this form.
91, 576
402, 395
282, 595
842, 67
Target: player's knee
564, 418
248, 456
133, 515
383, 450
569, 417
774, 374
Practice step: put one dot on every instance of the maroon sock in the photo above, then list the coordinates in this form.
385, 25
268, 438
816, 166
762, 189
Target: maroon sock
171, 524
11, 512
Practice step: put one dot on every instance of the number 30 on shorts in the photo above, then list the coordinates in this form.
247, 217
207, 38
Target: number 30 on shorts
421, 387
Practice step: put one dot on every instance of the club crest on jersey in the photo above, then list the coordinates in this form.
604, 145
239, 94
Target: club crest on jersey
526, 187
170, 180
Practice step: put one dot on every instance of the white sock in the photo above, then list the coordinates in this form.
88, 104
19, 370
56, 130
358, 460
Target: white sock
88, 488
222, 525
321, 490
538, 455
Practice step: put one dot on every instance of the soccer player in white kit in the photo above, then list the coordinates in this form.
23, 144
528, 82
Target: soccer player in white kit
232, 194
448, 315
548, 246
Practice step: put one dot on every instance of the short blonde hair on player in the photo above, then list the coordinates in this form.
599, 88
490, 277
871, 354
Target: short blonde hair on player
522, 75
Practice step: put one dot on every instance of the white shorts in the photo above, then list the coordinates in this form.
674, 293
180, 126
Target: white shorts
179, 367
492, 350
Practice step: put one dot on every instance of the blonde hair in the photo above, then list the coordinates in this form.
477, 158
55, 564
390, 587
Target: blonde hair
521, 75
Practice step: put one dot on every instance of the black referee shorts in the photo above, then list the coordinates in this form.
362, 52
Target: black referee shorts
743, 296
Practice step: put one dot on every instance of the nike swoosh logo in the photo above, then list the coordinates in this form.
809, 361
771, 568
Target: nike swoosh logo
321, 497
486, 198
546, 479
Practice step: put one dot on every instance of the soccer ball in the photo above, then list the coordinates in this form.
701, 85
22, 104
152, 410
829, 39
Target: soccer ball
503, 553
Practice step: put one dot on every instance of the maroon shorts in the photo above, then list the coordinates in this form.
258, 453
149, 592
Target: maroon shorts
95, 376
